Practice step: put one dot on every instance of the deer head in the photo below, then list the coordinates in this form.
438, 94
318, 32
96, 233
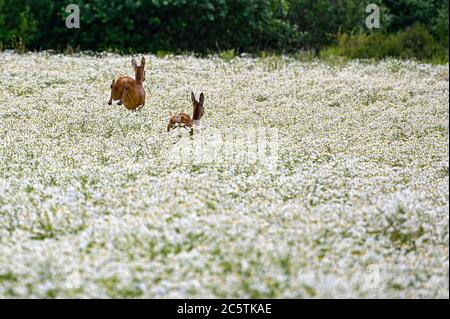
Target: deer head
139, 71
199, 110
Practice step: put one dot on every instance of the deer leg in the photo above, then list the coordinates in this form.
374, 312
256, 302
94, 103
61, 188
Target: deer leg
143, 99
123, 95
112, 88
110, 99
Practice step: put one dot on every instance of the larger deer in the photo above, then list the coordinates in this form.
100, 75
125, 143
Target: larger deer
130, 92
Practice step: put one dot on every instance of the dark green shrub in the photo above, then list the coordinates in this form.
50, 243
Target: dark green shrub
319, 21
414, 43
407, 13
205, 26
441, 25
149, 25
418, 42
17, 23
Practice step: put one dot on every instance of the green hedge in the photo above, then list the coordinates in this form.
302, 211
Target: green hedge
210, 25
149, 25
413, 43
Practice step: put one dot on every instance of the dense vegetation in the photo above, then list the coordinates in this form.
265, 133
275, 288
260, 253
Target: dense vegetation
218, 25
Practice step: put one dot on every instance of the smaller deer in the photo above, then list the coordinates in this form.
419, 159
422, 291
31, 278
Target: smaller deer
184, 120
128, 91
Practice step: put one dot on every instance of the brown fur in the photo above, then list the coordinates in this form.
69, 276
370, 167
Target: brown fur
128, 91
179, 119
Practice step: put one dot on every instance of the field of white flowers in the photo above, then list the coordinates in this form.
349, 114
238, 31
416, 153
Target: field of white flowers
91, 205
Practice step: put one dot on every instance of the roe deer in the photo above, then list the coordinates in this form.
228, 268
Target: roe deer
184, 119
129, 91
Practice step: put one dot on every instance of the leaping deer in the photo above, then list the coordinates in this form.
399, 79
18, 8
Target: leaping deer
184, 120
128, 91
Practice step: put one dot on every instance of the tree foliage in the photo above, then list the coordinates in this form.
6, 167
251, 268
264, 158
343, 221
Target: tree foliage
207, 25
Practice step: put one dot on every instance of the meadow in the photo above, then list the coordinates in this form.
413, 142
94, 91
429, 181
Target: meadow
355, 203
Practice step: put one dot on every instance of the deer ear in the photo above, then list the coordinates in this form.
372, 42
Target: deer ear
143, 62
202, 99
193, 98
133, 63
